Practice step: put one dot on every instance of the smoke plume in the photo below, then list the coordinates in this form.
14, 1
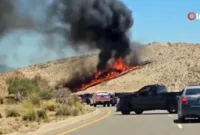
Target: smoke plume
5, 9
102, 24
31, 33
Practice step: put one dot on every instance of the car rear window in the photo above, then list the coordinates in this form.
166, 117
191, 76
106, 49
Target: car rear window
192, 91
162, 89
102, 94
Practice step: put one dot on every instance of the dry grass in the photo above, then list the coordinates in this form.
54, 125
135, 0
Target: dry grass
32, 106
49, 105
13, 124
28, 111
12, 111
29, 115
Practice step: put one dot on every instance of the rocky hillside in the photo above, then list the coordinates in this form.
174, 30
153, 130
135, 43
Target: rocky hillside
173, 64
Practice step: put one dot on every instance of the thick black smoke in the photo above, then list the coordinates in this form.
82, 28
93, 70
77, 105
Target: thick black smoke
6, 9
103, 24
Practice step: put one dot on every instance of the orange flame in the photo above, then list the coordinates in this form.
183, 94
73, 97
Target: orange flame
119, 68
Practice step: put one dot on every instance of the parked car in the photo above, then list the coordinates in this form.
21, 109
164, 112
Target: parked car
86, 98
100, 99
189, 103
150, 97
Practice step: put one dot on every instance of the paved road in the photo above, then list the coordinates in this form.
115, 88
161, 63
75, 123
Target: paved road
149, 123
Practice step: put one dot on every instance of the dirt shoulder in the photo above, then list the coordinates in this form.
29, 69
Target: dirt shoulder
17, 126
47, 128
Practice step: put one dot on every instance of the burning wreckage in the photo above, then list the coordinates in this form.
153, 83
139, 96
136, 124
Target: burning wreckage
104, 25
119, 68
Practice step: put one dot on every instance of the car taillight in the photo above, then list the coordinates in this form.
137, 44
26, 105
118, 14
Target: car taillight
183, 100
97, 98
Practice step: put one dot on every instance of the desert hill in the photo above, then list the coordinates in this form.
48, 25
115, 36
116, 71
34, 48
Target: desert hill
173, 64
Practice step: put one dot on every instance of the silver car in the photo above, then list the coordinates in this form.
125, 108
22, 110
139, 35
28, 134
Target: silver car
189, 103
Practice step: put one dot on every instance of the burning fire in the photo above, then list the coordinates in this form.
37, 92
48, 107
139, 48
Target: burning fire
119, 68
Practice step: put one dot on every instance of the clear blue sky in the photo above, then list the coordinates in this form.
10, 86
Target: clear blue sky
164, 20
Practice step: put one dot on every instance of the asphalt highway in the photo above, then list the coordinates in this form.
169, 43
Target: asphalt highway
148, 123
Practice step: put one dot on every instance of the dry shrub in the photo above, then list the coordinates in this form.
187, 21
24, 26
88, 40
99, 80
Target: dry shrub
32, 112
34, 99
80, 107
27, 111
12, 112
49, 105
61, 94
45, 94
58, 106
72, 107
72, 100
10, 99
75, 111
42, 115
65, 110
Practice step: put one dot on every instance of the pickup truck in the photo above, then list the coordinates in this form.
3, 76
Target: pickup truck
150, 97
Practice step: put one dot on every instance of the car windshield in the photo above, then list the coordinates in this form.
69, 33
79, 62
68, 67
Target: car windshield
192, 91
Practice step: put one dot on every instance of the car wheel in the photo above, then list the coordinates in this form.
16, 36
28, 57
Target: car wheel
113, 104
108, 105
181, 118
104, 105
172, 109
125, 112
138, 111
95, 105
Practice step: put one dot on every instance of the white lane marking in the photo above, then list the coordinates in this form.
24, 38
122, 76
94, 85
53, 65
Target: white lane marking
180, 126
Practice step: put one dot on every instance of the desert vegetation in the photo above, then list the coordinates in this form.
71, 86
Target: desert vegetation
31, 103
